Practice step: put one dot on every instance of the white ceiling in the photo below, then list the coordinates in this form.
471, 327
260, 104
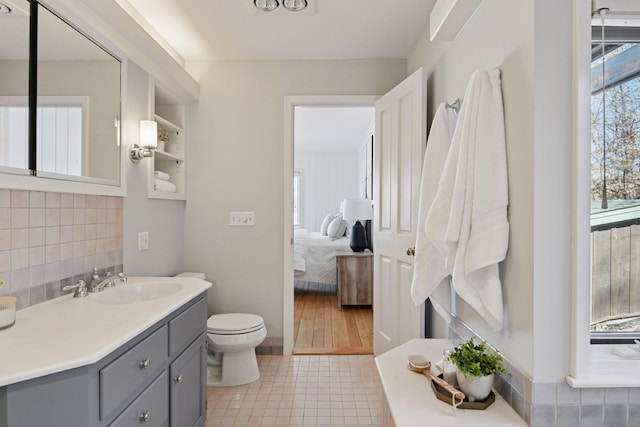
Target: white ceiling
331, 128
330, 29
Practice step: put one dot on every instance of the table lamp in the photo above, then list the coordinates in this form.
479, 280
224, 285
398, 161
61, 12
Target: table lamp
357, 210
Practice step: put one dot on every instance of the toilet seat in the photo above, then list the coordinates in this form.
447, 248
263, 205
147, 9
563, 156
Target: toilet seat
234, 323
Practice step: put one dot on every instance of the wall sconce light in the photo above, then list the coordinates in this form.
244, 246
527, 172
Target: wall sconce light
148, 141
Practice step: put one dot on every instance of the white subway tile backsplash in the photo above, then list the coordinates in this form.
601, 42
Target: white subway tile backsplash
634, 396
544, 393
79, 216
52, 253
90, 201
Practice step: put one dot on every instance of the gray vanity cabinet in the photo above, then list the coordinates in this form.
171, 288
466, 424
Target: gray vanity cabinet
188, 389
156, 379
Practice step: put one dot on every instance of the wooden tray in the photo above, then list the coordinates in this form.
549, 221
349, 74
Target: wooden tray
445, 396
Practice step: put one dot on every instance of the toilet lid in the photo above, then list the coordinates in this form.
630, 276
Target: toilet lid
234, 323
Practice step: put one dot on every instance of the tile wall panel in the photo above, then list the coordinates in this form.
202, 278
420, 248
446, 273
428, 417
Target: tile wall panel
49, 240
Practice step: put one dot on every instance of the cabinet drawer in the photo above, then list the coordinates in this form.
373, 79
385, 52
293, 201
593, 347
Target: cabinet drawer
125, 374
152, 405
187, 326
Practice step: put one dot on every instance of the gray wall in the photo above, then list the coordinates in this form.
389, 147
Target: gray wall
236, 161
163, 219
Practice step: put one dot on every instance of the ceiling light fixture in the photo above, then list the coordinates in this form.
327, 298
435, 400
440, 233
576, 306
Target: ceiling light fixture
4, 9
294, 5
266, 5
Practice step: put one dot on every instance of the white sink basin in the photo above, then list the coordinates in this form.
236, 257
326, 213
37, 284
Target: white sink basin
131, 293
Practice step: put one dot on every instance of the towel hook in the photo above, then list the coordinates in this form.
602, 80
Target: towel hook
455, 105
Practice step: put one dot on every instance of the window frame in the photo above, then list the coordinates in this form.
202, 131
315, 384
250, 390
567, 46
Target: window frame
613, 35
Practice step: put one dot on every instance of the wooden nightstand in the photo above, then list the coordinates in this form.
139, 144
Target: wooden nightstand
355, 277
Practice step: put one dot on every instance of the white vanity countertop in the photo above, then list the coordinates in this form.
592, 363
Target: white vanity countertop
66, 332
412, 401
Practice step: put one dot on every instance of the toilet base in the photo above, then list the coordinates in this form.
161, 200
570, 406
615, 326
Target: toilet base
233, 369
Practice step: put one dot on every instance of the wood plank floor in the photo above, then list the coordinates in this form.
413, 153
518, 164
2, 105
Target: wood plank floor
321, 328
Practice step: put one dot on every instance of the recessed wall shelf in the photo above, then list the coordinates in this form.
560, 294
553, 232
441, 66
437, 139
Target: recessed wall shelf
170, 158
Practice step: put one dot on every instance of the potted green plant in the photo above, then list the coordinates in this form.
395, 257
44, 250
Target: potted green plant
476, 368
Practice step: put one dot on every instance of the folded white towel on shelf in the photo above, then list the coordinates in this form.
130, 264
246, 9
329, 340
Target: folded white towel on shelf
161, 175
430, 277
162, 185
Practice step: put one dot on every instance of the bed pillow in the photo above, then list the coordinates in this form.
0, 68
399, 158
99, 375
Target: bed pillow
349, 226
325, 223
337, 227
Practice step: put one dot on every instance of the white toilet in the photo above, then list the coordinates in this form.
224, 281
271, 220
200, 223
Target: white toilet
232, 339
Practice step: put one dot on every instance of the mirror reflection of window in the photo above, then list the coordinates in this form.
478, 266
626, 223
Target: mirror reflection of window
83, 140
615, 186
14, 84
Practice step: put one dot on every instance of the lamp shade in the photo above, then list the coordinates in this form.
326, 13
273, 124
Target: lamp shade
148, 134
357, 209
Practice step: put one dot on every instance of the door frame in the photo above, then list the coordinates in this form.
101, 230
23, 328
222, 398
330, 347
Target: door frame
290, 102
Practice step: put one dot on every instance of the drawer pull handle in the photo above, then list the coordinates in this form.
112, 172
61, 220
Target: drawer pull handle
178, 379
145, 417
144, 364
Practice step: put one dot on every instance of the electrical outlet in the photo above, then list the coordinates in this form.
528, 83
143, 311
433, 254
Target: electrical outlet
143, 240
242, 219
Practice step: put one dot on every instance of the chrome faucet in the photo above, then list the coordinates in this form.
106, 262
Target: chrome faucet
98, 283
80, 287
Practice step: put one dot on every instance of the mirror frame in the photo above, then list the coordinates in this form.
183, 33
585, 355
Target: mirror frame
23, 178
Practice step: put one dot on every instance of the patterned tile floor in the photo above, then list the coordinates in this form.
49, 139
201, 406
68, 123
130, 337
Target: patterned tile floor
302, 391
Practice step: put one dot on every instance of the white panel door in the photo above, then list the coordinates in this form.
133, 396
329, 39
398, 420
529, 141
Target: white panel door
399, 148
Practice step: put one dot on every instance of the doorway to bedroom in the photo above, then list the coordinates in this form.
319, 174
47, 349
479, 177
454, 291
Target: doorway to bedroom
332, 161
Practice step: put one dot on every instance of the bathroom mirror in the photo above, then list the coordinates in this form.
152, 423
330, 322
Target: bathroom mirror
14, 85
78, 100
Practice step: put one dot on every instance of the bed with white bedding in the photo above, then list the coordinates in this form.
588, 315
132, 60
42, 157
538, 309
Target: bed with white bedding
314, 258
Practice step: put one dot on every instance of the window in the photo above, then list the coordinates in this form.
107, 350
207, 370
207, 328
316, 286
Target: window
615, 191
296, 199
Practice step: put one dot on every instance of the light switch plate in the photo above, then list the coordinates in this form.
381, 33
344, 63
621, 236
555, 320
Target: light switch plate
242, 219
143, 240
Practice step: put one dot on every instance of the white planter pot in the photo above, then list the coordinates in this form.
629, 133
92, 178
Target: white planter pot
476, 388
